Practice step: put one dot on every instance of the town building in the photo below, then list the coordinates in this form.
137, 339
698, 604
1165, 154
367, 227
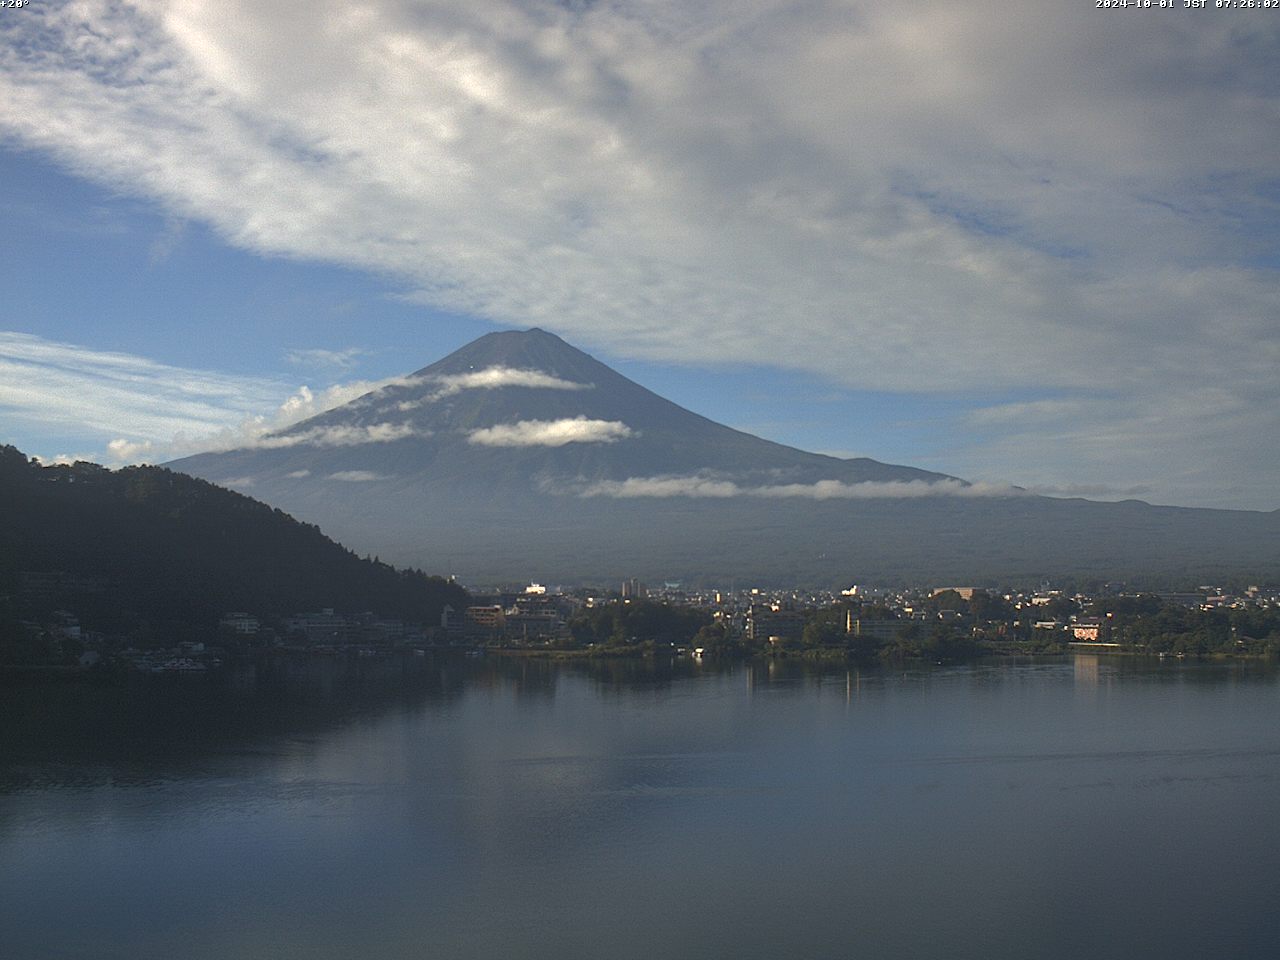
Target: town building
774, 623
881, 630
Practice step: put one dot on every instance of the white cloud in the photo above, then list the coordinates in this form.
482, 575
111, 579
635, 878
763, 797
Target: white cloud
878, 490
550, 433
844, 174
707, 487
298, 474
948, 196
634, 487
493, 378
129, 451
64, 459
357, 476
490, 378
305, 403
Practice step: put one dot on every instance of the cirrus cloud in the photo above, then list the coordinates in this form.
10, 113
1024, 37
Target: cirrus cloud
1044, 188
165, 411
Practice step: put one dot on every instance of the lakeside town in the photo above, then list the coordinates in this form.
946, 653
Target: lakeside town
866, 623
147, 570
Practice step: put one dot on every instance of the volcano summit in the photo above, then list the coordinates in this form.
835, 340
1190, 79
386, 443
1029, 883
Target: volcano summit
520, 456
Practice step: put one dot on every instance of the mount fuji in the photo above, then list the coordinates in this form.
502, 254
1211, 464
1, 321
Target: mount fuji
520, 456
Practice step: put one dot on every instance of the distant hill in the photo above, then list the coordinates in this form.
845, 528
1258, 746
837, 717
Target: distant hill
520, 456
144, 548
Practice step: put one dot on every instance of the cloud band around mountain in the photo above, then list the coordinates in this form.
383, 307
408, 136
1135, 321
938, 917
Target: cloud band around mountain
357, 476
490, 378
708, 487
550, 433
341, 436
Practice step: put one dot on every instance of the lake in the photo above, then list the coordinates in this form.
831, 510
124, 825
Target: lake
424, 807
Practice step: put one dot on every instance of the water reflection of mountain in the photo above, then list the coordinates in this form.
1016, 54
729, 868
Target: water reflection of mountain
149, 727
167, 726
174, 727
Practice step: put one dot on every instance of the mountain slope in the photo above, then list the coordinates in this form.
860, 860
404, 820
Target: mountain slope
424, 429
521, 456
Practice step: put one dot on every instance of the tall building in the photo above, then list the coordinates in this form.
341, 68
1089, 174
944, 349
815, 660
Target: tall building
633, 589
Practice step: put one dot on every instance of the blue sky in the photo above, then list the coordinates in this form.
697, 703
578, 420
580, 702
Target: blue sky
1035, 246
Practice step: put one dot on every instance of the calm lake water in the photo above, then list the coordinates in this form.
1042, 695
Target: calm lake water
420, 808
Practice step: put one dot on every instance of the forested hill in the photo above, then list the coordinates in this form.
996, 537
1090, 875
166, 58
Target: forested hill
147, 546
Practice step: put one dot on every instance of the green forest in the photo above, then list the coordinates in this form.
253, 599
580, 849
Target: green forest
157, 556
